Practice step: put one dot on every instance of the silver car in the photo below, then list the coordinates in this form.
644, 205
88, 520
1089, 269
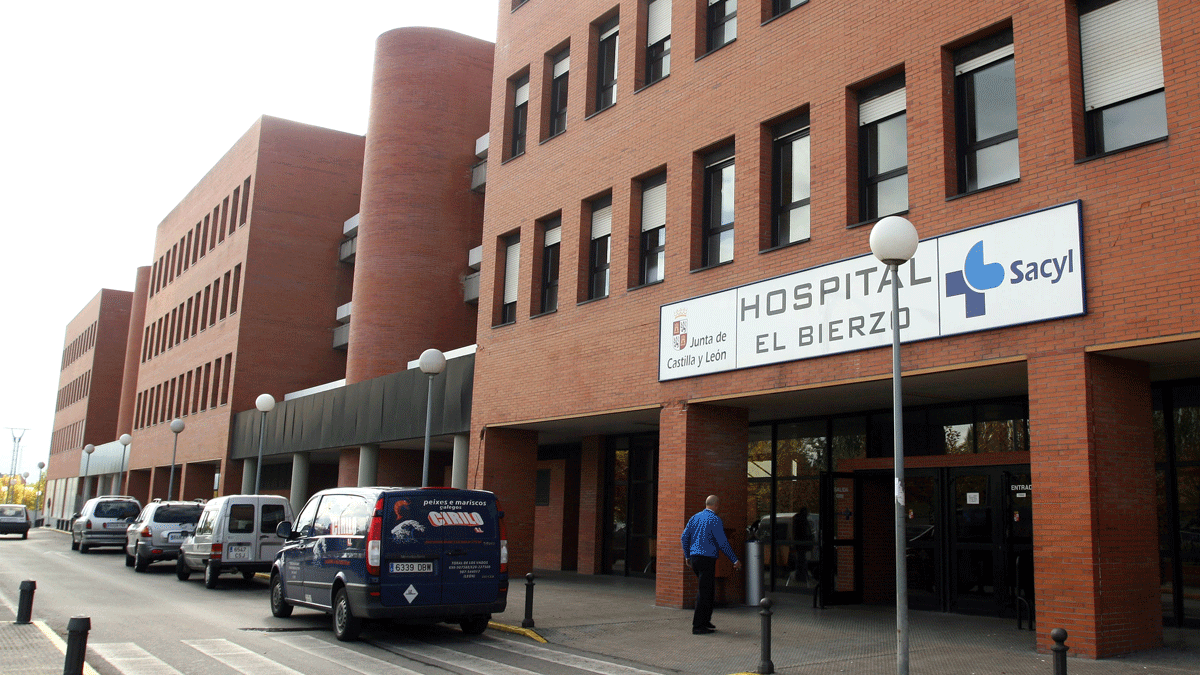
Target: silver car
102, 522
158, 531
14, 519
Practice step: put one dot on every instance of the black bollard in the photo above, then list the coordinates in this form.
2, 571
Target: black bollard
25, 604
1060, 650
77, 632
766, 666
528, 622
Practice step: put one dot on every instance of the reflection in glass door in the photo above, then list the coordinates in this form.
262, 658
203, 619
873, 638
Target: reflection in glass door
632, 506
924, 540
974, 543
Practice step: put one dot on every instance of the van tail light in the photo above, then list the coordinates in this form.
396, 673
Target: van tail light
217, 550
89, 524
374, 534
145, 532
503, 540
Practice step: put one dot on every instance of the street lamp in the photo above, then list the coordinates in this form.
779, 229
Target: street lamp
125, 440
177, 426
265, 404
41, 467
432, 362
894, 241
87, 468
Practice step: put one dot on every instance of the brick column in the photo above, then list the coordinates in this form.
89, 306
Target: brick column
1095, 528
591, 505
701, 452
505, 462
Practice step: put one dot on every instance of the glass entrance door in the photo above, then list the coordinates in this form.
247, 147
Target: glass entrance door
976, 544
841, 534
632, 506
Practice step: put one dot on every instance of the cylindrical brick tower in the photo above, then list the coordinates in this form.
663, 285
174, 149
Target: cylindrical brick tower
430, 101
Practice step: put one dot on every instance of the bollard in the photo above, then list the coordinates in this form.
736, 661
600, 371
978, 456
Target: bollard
25, 604
77, 632
1060, 650
766, 666
528, 622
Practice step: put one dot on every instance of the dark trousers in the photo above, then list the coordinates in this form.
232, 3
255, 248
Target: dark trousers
706, 569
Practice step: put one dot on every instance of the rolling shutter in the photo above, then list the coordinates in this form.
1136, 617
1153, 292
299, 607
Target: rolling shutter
1122, 52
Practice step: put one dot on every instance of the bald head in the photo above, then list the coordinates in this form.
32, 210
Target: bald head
713, 503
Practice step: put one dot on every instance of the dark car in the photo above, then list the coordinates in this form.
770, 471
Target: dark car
14, 519
416, 555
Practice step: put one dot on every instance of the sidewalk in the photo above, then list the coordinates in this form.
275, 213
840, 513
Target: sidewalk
616, 617
30, 649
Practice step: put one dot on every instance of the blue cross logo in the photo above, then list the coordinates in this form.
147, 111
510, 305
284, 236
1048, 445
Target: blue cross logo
976, 276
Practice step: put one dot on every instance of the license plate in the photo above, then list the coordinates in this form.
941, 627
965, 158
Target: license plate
174, 537
411, 567
115, 526
239, 552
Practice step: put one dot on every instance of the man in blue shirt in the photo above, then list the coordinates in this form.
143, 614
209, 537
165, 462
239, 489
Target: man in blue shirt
703, 539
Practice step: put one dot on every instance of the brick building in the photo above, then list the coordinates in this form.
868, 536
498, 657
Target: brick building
677, 298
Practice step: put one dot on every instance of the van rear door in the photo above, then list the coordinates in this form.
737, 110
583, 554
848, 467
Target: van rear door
411, 564
470, 535
241, 531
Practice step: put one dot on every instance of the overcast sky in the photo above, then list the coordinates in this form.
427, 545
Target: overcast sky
112, 111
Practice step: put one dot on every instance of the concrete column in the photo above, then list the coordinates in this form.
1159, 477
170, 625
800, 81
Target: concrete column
249, 468
368, 464
1095, 534
458, 471
299, 491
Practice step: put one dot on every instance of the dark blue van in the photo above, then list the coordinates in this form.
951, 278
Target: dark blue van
421, 555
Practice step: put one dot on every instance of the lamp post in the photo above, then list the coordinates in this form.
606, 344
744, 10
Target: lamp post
177, 426
41, 468
125, 440
432, 362
87, 468
894, 241
265, 404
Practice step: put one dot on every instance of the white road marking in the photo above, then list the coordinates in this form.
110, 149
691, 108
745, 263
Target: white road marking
131, 659
343, 656
239, 658
474, 664
572, 660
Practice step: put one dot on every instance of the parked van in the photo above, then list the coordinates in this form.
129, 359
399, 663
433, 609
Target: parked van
235, 533
420, 555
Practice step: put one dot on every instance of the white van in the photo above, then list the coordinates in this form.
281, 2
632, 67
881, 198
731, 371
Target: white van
236, 533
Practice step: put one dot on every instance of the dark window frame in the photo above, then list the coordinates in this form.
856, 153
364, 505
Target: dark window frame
715, 163
785, 134
968, 144
520, 120
551, 270
559, 90
718, 18
868, 156
599, 258
606, 64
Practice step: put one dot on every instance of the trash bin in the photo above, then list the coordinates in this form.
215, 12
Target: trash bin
754, 569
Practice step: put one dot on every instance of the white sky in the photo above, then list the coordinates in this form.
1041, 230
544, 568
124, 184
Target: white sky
112, 111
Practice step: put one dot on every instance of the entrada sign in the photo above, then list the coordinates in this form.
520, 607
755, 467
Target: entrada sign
1019, 270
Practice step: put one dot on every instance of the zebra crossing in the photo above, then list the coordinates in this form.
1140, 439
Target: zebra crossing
308, 655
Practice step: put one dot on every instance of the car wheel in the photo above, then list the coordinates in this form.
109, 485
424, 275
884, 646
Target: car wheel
182, 571
279, 604
248, 574
84, 548
24, 535
139, 562
346, 626
128, 560
475, 625
211, 572
74, 543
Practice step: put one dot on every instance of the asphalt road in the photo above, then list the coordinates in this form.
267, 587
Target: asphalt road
151, 622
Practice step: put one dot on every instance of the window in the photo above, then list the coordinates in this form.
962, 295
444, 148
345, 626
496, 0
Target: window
520, 115
512, 272
780, 6
883, 147
722, 23
1122, 74
550, 259
717, 245
790, 182
658, 40
654, 229
598, 253
560, 76
606, 65
986, 109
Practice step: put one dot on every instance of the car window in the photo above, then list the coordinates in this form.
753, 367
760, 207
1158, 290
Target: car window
272, 516
178, 513
331, 508
305, 520
355, 518
117, 510
241, 518
12, 511
205, 526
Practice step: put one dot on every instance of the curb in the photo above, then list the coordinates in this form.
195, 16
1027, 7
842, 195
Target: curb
517, 630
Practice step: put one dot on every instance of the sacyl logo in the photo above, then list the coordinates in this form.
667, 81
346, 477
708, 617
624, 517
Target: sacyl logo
975, 277
978, 276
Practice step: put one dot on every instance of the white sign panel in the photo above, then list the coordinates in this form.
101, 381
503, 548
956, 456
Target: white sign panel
1019, 270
